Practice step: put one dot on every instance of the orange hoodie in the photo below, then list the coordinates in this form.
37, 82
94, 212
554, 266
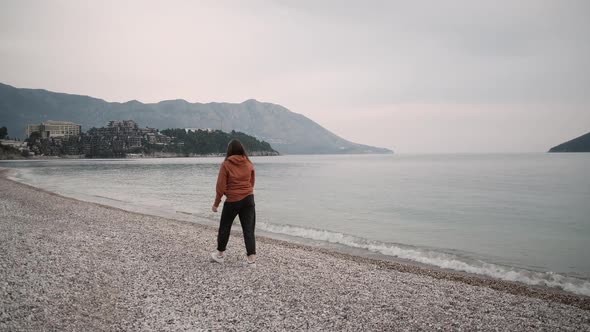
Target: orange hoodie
236, 179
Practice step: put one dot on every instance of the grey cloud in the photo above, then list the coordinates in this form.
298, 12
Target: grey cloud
453, 51
320, 58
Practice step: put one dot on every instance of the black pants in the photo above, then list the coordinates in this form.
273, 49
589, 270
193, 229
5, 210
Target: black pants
245, 209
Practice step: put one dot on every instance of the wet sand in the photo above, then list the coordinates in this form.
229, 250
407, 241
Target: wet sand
72, 265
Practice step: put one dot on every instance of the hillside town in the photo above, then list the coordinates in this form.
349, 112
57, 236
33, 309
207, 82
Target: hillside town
66, 139
122, 138
118, 138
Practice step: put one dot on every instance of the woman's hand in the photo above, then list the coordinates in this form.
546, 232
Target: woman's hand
214, 208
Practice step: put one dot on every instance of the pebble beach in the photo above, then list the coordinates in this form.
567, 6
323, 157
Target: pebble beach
68, 265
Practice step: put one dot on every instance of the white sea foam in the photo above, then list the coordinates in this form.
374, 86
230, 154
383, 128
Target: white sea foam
436, 258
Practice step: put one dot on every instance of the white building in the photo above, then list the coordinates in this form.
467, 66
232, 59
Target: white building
195, 129
15, 144
55, 129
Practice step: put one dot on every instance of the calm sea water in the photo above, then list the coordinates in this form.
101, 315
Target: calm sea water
515, 217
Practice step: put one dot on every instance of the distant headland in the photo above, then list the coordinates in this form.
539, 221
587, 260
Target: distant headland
580, 144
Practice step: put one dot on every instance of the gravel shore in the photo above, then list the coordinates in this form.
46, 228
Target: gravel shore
69, 265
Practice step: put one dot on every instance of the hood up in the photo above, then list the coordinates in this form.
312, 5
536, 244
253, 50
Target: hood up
238, 159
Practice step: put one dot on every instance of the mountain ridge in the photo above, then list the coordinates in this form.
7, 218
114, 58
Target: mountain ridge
288, 132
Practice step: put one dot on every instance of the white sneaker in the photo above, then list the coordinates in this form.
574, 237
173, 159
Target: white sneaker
216, 258
249, 264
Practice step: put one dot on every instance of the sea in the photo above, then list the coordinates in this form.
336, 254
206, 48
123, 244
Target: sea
518, 217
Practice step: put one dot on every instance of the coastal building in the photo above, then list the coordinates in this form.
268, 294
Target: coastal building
33, 129
50, 129
196, 129
157, 138
120, 136
20, 145
123, 125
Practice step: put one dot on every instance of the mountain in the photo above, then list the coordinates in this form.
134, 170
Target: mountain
286, 131
580, 144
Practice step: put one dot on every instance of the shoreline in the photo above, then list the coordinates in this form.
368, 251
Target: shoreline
383, 261
69, 265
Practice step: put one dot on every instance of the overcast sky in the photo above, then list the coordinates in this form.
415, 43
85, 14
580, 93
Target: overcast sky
414, 76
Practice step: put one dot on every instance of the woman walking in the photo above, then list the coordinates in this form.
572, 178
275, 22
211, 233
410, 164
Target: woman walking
236, 181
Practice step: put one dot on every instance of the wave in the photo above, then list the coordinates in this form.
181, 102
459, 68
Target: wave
110, 198
436, 258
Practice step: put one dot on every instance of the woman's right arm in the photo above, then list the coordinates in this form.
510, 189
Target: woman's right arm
221, 185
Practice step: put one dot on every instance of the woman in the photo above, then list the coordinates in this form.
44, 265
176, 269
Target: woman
236, 181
